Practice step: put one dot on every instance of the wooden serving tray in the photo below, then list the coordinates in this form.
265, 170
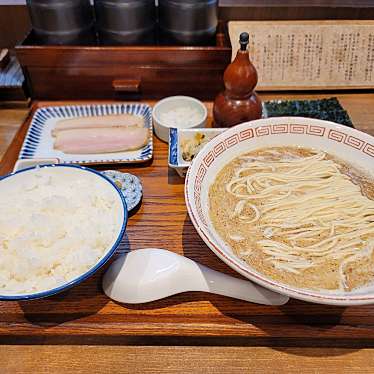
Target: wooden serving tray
124, 72
85, 315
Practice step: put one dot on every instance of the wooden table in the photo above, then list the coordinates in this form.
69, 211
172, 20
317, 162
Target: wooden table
10, 122
83, 331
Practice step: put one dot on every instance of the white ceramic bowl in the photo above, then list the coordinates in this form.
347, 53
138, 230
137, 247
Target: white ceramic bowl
173, 102
348, 144
97, 181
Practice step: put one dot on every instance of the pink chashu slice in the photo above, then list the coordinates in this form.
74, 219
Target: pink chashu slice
92, 122
101, 140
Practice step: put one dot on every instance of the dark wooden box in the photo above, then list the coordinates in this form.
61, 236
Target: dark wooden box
124, 72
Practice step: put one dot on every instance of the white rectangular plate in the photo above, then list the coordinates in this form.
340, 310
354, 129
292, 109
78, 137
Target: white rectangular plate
38, 142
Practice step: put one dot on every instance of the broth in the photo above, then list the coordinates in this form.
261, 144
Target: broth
297, 215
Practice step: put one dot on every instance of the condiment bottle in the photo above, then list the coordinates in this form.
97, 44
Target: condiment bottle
239, 102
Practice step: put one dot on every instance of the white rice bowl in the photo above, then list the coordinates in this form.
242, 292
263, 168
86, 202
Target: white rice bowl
58, 225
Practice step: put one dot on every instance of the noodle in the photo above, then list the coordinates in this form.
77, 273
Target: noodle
300, 212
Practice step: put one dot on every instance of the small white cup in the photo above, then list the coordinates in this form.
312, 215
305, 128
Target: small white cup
162, 129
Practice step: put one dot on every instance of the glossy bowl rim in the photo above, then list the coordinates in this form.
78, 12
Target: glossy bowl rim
108, 254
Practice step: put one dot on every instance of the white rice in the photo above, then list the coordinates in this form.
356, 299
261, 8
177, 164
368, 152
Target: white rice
53, 228
184, 116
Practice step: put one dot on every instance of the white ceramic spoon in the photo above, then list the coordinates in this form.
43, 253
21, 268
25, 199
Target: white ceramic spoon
151, 274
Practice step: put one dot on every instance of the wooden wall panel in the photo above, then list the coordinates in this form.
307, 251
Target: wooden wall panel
14, 24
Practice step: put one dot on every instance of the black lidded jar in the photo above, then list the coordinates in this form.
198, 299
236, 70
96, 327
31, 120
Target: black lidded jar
188, 22
125, 22
62, 22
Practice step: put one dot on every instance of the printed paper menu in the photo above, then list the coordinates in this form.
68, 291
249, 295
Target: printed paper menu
309, 54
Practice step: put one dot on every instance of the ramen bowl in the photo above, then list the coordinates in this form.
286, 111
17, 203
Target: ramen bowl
69, 216
347, 144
